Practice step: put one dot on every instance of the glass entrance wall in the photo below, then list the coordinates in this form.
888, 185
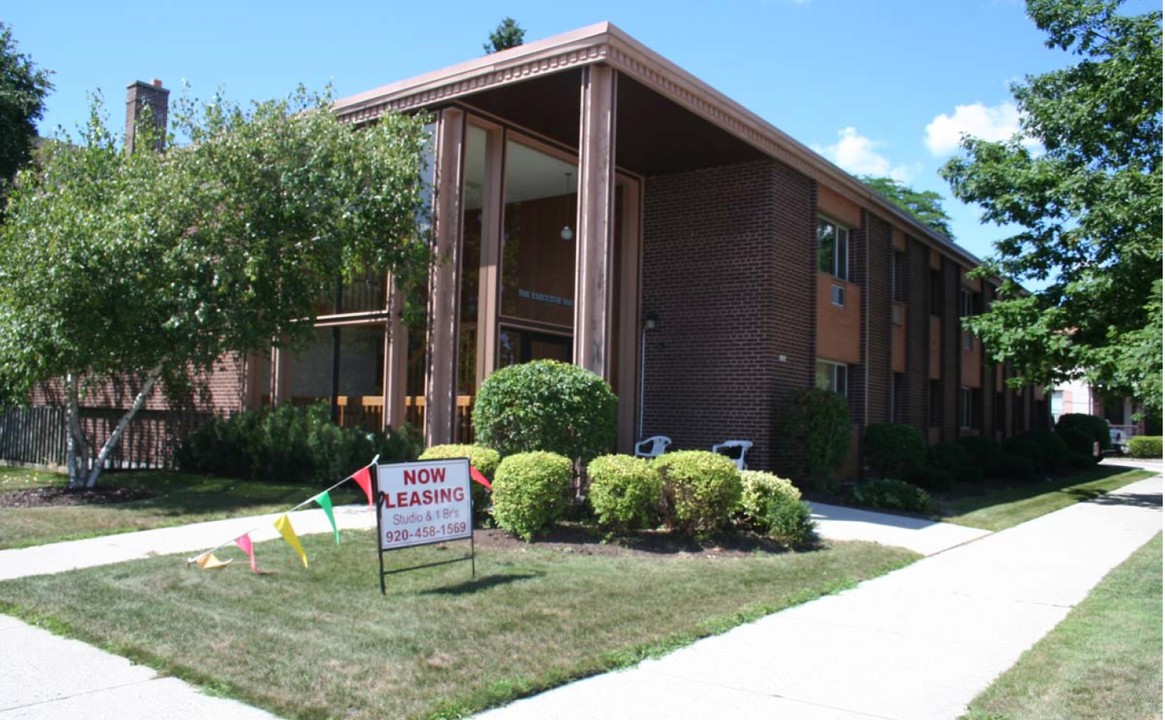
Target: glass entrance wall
342, 367
538, 248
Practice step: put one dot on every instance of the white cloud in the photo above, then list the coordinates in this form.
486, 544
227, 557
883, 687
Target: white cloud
858, 154
978, 120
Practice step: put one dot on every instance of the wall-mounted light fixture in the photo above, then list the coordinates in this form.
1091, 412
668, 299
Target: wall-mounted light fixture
650, 322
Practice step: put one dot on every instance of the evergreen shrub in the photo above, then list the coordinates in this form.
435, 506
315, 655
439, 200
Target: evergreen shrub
546, 405
892, 494
816, 433
1145, 446
530, 492
700, 490
484, 459
624, 491
894, 450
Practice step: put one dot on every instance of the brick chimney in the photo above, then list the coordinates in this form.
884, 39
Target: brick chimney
139, 96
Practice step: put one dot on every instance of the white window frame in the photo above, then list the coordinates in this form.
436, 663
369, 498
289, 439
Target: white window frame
840, 267
838, 376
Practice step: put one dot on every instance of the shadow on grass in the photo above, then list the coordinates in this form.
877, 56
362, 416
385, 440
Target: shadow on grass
1127, 499
990, 496
482, 583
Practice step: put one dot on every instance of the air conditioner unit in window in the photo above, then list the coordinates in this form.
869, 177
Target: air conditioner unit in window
837, 295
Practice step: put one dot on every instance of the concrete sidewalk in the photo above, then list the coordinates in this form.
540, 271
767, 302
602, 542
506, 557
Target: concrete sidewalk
917, 644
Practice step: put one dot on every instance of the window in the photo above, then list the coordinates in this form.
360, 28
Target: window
832, 249
967, 309
966, 408
898, 278
936, 292
832, 376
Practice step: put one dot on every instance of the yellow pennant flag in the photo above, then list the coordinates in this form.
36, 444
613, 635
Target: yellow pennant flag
283, 525
207, 561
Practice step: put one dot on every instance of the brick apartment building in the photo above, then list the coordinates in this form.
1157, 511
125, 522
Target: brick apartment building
595, 203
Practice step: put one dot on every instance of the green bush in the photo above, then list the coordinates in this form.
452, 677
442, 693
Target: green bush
530, 492
1093, 427
891, 494
1145, 446
932, 478
288, 444
816, 432
484, 459
624, 492
546, 405
1053, 449
894, 450
700, 490
1080, 445
1015, 466
773, 505
1024, 447
952, 458
984, 452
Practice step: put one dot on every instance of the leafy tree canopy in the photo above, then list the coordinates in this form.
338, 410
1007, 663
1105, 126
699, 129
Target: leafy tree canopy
926, 206
1088, 200
152, 264
23, 87
508, 34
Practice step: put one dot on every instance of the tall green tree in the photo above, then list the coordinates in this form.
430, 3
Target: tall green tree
23, 87
925, 205
508, 34
153, 265
1088, 202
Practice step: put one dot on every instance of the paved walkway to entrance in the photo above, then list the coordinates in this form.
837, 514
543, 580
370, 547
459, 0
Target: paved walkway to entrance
918, 643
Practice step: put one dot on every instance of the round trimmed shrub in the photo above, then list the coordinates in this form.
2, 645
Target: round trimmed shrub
1145, 446
624, 492
816, 432
933, 478
892, 494
1094, 428
484, 459
951, 458
1014, 466
530, 492
546, 405
1025, 447
1080, 446
1053, 448
773, 505
700, 490
894, 450
984, 452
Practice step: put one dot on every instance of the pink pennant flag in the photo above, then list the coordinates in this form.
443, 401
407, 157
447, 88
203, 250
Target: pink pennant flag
363, 478
479, 478
244, 543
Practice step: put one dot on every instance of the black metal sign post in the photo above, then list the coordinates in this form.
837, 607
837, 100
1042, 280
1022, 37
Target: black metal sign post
441, 486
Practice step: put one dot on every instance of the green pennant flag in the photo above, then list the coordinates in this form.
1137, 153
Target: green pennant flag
324, 500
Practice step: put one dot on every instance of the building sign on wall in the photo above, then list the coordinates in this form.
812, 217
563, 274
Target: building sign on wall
421, 503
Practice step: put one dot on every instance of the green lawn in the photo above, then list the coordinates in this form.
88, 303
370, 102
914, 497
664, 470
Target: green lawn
1001, 509
322, 642
178, 499
1103, 662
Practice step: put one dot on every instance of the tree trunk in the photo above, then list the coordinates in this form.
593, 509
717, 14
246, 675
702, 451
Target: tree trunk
115, 436
76, 453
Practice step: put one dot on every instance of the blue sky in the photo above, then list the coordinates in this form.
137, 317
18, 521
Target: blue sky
878, 86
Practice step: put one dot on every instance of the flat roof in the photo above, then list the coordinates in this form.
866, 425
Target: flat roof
604, 43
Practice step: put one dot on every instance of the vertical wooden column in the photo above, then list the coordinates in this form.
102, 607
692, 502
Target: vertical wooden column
396, 355
630, 322
444, 280
594, 257
280, 376
488, 284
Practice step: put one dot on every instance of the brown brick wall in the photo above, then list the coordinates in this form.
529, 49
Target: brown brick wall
877, 330
952, 351
728, 268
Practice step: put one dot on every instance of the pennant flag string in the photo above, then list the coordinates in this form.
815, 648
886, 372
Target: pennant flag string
479, 478
324, 500
245, 544
204, 559
283, 525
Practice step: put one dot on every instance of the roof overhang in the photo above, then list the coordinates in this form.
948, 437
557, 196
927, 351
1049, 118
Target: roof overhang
604, 43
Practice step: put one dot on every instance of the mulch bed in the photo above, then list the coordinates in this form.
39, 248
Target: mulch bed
584, 540
57, 497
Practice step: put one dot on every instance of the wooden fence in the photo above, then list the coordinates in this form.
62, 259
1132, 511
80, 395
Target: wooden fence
36, 435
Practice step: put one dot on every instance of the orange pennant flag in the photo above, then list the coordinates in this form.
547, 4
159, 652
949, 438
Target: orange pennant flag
283, 525
207, 561
363, 478
245, 544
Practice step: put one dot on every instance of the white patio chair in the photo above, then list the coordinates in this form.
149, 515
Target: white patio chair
653, 446
734, 450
